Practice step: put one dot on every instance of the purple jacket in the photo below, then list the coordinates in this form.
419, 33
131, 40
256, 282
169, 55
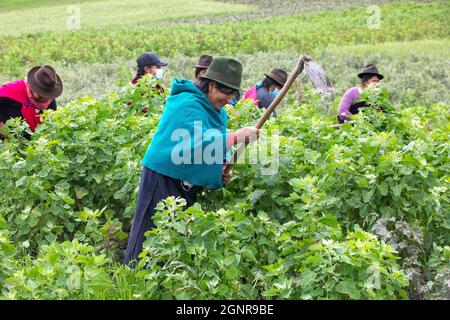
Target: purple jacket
347, 100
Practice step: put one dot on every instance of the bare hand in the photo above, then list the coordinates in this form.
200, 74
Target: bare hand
226, 177
247, 134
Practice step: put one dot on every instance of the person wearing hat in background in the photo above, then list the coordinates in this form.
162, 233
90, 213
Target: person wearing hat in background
178, 161
202, 65
149, 63
265, 92
28, 98
349, 103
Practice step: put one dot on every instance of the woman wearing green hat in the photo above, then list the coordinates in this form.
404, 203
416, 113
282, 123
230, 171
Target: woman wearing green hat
188, 149
349, 103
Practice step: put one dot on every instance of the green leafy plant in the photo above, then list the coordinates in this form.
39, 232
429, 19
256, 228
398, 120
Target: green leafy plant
438, 286
306, 231
193, 254
83, 160
70, 270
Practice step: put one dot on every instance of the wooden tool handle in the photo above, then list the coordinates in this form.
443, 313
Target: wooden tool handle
294, 74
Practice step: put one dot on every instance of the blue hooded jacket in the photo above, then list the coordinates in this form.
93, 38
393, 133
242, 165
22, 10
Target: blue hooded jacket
190, 141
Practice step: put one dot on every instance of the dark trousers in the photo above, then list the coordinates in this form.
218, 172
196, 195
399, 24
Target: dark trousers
153, 188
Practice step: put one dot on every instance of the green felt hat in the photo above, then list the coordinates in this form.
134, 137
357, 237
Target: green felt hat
225, 71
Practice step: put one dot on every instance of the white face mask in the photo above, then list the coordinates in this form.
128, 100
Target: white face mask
159, 73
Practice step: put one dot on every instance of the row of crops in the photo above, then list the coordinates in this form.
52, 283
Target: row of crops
360, 212
301, 33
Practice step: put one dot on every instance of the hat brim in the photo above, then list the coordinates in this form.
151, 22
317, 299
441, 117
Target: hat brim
54, 93
360, 75
276, 80
201, 67
225, 83
161, 64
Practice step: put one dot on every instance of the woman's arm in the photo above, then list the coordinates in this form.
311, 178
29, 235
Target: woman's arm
346, 102
231, 140
246, 134
249, 134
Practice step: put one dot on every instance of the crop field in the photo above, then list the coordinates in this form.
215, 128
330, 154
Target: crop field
359, 212
102, 14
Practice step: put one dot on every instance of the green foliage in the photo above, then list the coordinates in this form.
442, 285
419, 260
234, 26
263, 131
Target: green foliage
198, 255
68, 195
16, 4
195, 254
380, 164
300, 33
106, 14
70, 270
7, 252
77, 177
243, 113
425, 80
390, 166
439, 266
355, 267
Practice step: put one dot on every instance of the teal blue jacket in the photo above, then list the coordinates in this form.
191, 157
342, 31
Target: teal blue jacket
190, 141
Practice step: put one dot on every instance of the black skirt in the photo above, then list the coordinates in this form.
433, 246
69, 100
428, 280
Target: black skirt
153, 188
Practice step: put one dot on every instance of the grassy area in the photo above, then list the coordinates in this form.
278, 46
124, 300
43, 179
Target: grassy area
299, 33
274, 8
96, 62
413, 70
266, 8
430, 48
21, 4
289, 7
100, 14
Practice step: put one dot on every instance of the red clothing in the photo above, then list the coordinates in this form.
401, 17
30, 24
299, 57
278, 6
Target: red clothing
251, 94
17, 91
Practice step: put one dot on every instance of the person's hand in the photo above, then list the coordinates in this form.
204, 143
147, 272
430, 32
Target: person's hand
226, 177
247, 134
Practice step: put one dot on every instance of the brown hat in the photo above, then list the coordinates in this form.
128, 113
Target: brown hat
278, 75
204, 61
370, 69
45, 81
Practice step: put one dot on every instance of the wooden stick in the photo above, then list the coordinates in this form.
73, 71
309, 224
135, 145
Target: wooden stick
294, 74
340, 124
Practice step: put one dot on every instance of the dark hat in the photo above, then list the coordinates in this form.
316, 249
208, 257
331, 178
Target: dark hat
150, 59
44, 81
204, 61
225, 71
370, 69
278, 75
